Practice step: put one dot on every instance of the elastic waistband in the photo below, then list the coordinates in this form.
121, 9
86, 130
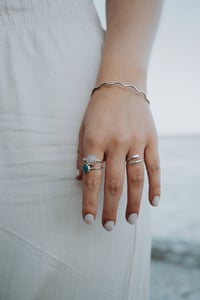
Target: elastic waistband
16, 12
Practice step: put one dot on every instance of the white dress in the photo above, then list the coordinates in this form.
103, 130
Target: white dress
49, 57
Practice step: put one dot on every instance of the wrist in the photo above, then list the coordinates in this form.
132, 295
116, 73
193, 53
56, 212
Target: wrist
123, 85
134, 75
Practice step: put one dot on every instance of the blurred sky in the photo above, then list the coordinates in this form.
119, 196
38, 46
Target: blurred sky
174, 71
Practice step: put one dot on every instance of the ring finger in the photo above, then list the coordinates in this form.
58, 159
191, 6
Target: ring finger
135, 181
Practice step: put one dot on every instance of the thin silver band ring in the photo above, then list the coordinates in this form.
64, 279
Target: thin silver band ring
134, 162
96, 168
92, 159
132, 157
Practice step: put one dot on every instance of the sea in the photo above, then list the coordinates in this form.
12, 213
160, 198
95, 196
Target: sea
176, 221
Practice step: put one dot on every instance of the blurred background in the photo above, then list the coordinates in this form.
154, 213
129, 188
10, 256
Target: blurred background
173, 87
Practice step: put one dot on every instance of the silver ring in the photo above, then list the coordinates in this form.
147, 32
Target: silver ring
92, 159
87, 168
135, 162
89, 163
132, 160
133, 157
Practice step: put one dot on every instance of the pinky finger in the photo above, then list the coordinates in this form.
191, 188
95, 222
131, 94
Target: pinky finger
152, 162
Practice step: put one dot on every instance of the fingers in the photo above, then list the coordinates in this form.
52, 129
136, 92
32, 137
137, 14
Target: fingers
113, 186
135, 181
91, 179
114, 177
153, 170
90, 188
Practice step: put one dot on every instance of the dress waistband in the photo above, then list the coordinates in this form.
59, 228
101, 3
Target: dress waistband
16, 12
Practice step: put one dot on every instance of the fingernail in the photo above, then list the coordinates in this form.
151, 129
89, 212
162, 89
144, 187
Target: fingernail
132, 219
89, 219
77, 172
155, 201
109, 225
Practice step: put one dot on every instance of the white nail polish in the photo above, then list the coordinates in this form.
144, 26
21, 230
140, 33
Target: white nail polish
109, 225
132, 219
155, 201
77, 172
89, 219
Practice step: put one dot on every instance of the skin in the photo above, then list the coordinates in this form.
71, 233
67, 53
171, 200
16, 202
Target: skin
118, 122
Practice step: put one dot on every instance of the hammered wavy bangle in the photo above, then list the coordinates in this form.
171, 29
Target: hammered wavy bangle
123, 85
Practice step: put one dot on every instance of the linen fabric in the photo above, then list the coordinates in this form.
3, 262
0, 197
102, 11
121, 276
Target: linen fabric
50, 52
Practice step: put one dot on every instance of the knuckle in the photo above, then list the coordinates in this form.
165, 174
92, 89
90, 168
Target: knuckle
139, 139
113, 186
120, 139
154, 167
90, 183
136, 179
91, 140
123, 138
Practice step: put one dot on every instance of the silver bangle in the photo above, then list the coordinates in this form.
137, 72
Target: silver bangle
131, 86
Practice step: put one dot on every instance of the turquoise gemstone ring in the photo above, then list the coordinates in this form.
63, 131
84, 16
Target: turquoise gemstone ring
87, 168
89, 163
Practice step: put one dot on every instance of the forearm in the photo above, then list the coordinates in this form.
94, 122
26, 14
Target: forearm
131, 27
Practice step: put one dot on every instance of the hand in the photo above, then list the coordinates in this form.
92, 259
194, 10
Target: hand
118, 124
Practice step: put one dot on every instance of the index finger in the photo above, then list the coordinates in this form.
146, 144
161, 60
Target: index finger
91, 185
